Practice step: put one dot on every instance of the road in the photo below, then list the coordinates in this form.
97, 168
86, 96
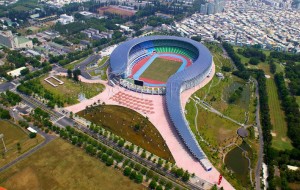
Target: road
56, 117
33, 103
82, 65
48, 139
6, 86
261, 141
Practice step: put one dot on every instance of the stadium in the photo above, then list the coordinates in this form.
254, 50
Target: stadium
164, 65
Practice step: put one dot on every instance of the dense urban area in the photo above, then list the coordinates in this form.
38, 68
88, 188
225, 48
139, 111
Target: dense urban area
85, 104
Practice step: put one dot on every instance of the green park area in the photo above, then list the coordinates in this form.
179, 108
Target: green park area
217, 135
16, 140
60, 165
70, 90
280, 140
161, 69
129, 125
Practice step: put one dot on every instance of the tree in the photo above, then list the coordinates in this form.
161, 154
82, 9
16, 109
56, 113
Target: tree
32, 135
104, 157
226, 68
159, 187
153, 184
4, 114
179, 172
76, 73
127, 171
254, 61
138, 178
132, 175
214, 187
110, 161
24, 71
169, 185
19, 147
69, 73
143, 155
186, 176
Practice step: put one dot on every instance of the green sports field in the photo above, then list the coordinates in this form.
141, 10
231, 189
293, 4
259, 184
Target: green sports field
161, 69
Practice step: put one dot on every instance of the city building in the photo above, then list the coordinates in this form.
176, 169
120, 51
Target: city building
212, 7
16, 72
14, 42
65, 19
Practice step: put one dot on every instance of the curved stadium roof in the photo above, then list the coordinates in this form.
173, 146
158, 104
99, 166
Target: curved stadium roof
119, 62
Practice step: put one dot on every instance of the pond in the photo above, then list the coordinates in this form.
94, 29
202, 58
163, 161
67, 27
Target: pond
236, 161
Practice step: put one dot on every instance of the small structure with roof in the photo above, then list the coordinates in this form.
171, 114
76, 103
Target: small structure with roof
242, 132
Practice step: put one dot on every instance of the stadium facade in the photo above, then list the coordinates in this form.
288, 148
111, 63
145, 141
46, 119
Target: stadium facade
128, 53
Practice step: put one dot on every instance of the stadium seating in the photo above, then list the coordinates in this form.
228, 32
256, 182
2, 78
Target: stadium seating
145, 49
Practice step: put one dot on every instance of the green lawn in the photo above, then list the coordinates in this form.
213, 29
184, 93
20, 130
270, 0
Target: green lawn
12, 135
121, 121
280, 139
102, 61
161, 69
70, 90
215, 129
60, 165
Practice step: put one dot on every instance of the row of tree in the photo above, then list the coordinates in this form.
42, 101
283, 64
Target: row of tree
34, 86
20, 60
283, 56
292, 72
30, 75
10, 98
291, 110
253, 53
265, 124
4, 114
110, 157
241, 72
70, 57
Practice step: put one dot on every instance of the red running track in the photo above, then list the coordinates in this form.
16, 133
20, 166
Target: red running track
151, 81
139, 65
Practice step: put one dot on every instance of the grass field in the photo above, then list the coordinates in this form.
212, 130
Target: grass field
59, 165
13, 135
280, 139
211, 126
161, 69
69, 90
121, 121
